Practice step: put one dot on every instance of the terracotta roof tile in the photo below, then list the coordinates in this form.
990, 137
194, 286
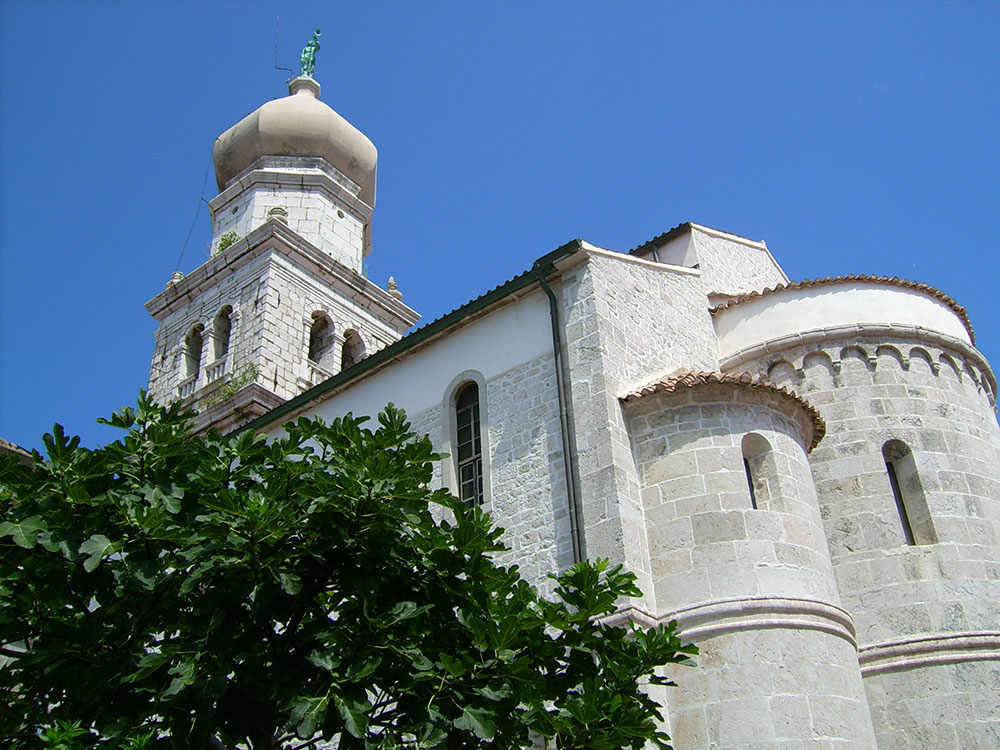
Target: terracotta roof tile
884, 280
692, 379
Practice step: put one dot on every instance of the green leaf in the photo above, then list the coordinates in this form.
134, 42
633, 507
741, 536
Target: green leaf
325, 660
406, 610
432, 736
354, 712
494, 692
184, 676
453, 665
96, 547
359, 669
307, 713
24, 532
478, 721
147, 665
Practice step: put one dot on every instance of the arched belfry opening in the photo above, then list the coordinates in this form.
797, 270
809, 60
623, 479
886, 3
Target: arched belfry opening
353, 350
321, 340
192, 351
223, 327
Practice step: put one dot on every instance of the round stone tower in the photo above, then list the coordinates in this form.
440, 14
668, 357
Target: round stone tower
908, 479
738, 557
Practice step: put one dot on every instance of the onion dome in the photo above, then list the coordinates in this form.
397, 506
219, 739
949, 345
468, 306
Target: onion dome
297, 125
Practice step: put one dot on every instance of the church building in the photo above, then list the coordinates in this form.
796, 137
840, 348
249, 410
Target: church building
804, 474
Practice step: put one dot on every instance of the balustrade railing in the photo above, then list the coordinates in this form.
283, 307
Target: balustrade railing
187, 386
317, 374
215, 371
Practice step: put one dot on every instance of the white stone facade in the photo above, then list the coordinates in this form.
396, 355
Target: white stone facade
316, 201
276, 287
806, 476
819, 625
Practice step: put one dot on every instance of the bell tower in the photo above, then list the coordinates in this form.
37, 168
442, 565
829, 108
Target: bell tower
282, 303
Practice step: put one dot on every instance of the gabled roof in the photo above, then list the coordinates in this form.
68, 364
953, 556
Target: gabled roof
412, 340
856, 278
662, 238
681, 379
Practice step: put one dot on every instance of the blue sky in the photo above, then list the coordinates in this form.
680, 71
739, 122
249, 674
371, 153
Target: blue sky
852, 138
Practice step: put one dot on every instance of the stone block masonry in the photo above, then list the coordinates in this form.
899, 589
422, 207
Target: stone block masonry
749, 579
926, 612
526, 493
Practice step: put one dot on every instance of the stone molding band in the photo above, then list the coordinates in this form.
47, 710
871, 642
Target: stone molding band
825, 335
732, 615
267, 177
928, 651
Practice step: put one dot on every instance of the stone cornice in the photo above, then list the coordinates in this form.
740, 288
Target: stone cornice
687, 226
852, 333
682, 379
274, 236
230, 413
272, 176
626, 258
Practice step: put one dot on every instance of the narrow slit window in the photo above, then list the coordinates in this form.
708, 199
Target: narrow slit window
897, 494
908, 493
761, 472
753, 492
468, 446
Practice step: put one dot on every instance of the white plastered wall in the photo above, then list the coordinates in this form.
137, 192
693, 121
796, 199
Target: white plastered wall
491, 345
795, 311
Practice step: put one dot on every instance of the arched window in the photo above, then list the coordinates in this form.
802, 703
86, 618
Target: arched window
223, 327
353, 351
908, 492
321, 340
192, 351
468, 446
761, 473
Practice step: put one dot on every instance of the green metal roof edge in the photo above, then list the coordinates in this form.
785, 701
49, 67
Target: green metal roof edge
418, 336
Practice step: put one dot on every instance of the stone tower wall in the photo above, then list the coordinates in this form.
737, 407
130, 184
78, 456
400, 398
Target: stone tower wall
753, 587
927, 613
293, 296
243, 292
315, 200
626, 321
276, 292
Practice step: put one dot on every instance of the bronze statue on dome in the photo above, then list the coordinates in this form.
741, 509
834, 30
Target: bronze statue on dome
307, 60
